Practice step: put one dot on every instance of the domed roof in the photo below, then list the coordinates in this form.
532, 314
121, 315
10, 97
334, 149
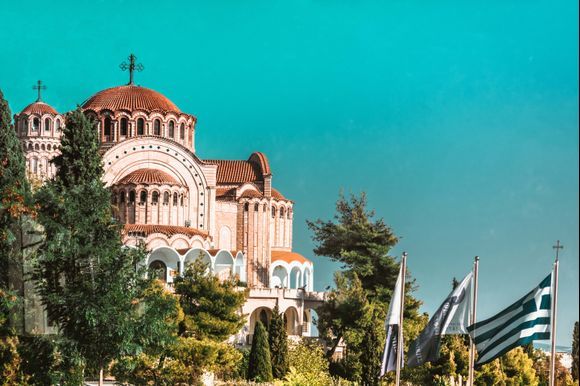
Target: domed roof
38, 108
130, 97
148, 177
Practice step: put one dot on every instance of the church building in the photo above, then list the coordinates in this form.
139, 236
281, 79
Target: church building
182, 207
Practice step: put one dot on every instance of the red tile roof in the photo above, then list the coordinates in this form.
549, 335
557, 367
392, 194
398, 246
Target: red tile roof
38, 108
277, 195
147, 177
289, 257
129, 97
167, 230
236, 172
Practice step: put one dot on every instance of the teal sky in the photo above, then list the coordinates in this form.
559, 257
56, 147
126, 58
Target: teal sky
458, 118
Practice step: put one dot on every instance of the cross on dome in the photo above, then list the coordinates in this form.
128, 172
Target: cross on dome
39, 87
131, 67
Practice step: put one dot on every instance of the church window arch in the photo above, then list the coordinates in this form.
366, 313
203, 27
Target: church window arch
155, 198
36, 147
29, 146
124, 126
166, 198
35, 124
181, 199
42, 147
246, 207
122, 196
282, 212
48, 147
171, 129
114, 198
256, 207
132, 197
34, 166
47, 124
57, 124
157, 127
273, 212
140, 126
143, 197
182, 131
108, 126
174, 199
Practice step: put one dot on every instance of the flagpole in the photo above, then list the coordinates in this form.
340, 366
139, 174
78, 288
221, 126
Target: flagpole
471, 375
554, 316
402, 307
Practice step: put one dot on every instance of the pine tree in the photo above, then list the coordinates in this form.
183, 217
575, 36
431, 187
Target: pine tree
86, 279
575, 352
260, 364
278, 341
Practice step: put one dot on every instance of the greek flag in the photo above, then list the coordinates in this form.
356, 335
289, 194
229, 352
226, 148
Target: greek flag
526, 320
451, 318
389, 362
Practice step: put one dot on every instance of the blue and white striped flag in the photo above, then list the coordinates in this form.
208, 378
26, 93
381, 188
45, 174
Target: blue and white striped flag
523, 322
392, 324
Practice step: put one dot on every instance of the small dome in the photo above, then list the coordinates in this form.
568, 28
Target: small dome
38, 108
148, 177
130, 97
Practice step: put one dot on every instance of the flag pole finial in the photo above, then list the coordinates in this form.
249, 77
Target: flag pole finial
557, 247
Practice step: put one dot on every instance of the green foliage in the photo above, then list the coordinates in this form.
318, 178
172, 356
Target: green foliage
51, 360
260, 364
362, 244
210, 305
308, 366
518, 368
85, 277
278, 341
575, 357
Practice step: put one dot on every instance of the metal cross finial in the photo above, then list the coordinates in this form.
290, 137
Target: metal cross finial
557, 247
132, 67
39, 86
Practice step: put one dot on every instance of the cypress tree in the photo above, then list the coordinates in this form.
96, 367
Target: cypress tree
575, 353
278, 341
260, 364
87, 281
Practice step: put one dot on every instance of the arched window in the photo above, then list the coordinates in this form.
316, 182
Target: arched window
171, 129
155, 198
34, 167
265, 208
157, 127
48, 147
140, 126
256, 207
57, 123
122, 197
246, 207
46, 124
273, 212
289, 213
166, 198
108, 127
29, 146
132, 197
35, 124
124, 126
36, 147
174, 199
159, 270
114, 199
181, 200
42, 147
182, 131
143, 197
282, 212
